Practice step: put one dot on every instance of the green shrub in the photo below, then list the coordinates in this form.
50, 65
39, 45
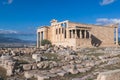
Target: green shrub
45, 41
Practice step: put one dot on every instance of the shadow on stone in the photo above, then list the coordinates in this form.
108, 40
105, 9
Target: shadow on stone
95, 41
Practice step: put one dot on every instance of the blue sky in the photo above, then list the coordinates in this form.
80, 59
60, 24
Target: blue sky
26, 15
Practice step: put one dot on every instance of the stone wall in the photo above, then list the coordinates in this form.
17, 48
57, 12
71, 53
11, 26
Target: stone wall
50, 34
102, 36
83, 43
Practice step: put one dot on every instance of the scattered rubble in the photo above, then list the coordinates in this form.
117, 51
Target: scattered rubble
58, 62
109, 75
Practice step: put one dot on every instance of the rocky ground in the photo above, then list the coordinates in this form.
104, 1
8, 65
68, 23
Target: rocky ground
57, 63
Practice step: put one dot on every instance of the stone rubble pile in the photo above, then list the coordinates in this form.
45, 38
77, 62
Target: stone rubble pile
8, 63
109, 75
34, 62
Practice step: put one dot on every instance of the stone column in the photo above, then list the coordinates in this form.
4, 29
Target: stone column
85, 34
75, 33
80, 34
37, 40
71, 33
63, 34
89, 35
59, 34
40, 38
116, 35
56, 34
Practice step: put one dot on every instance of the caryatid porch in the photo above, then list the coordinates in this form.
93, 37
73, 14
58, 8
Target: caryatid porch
80, 32
82, 35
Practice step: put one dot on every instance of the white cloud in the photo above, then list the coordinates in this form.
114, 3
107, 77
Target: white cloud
2, 31
8, 2
106, 21
106, 2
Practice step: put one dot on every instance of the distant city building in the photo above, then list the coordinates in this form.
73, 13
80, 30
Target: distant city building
77, 35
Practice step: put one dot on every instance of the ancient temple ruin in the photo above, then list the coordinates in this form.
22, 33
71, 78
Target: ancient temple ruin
77, 35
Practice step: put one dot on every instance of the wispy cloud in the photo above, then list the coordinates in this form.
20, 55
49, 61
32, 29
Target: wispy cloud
107, 21
2, 31
106, 2
8, 2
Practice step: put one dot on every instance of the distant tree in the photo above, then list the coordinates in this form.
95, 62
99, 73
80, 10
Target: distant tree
45, 41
